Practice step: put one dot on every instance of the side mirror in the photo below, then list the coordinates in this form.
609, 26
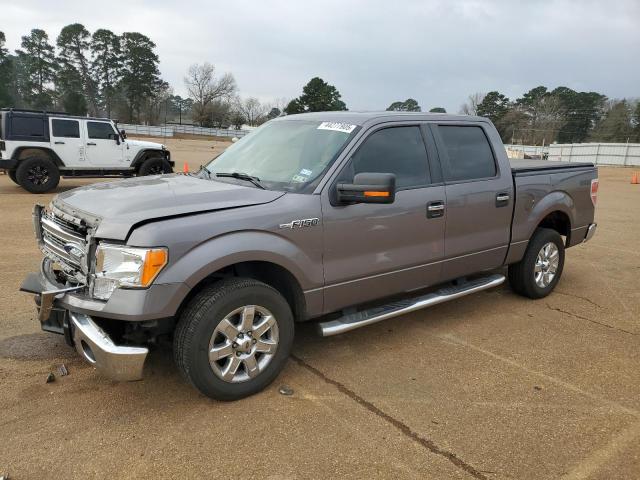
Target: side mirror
123, 134
368, 188
115, 136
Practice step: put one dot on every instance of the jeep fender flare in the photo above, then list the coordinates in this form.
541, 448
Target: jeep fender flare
143, 155
17, 153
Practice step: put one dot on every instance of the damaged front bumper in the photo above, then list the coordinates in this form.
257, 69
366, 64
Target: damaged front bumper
118, 362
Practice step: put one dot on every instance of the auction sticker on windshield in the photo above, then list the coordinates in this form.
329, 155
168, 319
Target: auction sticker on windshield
337, 127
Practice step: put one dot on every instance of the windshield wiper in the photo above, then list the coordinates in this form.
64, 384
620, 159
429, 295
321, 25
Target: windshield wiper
242, 176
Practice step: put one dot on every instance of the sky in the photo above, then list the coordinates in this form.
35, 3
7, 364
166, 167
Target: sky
375, 51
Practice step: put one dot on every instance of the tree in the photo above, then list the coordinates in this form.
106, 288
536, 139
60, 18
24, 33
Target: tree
494, 105
7, 74
582, 110
438, 110
204, 88
140, 74
636, 122
106, 67
70, 91
273, 113
38, 63
252, 110
409, 105
237, 120
293, 107
317, 96
73, 43
616, 125
471, 105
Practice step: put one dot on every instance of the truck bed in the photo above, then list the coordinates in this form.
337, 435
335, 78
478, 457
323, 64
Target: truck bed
532, 167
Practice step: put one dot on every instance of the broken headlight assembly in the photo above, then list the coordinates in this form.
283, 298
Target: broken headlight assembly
120, 266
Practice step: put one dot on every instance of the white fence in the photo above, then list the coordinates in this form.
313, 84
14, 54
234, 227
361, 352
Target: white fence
621, 154
170, 130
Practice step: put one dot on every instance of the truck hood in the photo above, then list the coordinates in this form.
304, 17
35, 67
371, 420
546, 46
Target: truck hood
115, 207
142, 144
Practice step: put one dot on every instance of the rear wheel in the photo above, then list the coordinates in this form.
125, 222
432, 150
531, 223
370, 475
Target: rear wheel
539, 271
37, 174
12, 176
155, 166
234, 338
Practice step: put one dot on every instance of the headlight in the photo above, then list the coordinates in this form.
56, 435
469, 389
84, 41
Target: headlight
129, 267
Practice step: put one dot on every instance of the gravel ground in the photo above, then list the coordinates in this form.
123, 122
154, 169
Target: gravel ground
489, 386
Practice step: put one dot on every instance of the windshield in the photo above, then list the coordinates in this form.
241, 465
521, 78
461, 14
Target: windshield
284, 155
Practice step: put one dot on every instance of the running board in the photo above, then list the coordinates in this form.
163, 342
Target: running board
377, 314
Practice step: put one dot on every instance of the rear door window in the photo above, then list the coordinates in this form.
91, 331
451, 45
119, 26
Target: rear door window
468, 153
27, 126
100, 130
397, 150
65, 128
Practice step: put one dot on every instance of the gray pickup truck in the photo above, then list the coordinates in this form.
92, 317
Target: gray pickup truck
346, 218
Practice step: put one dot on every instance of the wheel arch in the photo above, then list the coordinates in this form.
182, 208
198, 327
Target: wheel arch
22, 153
271, 273
145, 154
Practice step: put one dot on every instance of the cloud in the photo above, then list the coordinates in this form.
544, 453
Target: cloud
374, 51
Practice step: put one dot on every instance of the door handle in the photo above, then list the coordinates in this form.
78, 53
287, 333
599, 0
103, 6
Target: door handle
91, 143
59, 143
502, 200
435, 209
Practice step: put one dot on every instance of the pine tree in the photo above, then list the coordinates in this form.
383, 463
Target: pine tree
317, 96
106, 67
73, 43
38, 63
6, 75
140, 74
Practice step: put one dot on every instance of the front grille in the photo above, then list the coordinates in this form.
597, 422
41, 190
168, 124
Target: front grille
65, 244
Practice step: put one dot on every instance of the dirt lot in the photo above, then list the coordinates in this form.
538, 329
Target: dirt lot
490, 386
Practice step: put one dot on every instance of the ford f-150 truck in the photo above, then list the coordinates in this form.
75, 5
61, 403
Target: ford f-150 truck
345, 218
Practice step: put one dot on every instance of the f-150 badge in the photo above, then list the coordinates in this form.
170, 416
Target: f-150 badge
307, 222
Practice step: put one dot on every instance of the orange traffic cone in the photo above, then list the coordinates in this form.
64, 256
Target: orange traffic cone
185, 168
634, 179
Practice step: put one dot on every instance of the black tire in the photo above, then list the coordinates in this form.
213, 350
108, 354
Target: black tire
154, 166
37, 174
12, 176
522, 275
198, 322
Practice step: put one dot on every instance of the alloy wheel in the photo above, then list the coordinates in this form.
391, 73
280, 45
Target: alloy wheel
243, 344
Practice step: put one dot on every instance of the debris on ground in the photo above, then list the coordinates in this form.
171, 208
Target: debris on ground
63, 370
51, 378
286, 390
4, 476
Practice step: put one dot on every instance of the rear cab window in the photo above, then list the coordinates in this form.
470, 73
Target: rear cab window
467, 153
28, 127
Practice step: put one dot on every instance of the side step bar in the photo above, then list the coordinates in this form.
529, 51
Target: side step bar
377, 314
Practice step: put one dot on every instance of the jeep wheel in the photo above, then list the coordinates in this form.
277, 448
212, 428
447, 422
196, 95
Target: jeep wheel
37, 174
233, 338
12, 176
539, 271
155, 166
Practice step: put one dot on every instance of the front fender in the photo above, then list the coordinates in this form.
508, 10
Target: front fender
246, 246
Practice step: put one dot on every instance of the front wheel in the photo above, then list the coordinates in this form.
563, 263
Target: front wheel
234, 338
155, 166
539, 271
